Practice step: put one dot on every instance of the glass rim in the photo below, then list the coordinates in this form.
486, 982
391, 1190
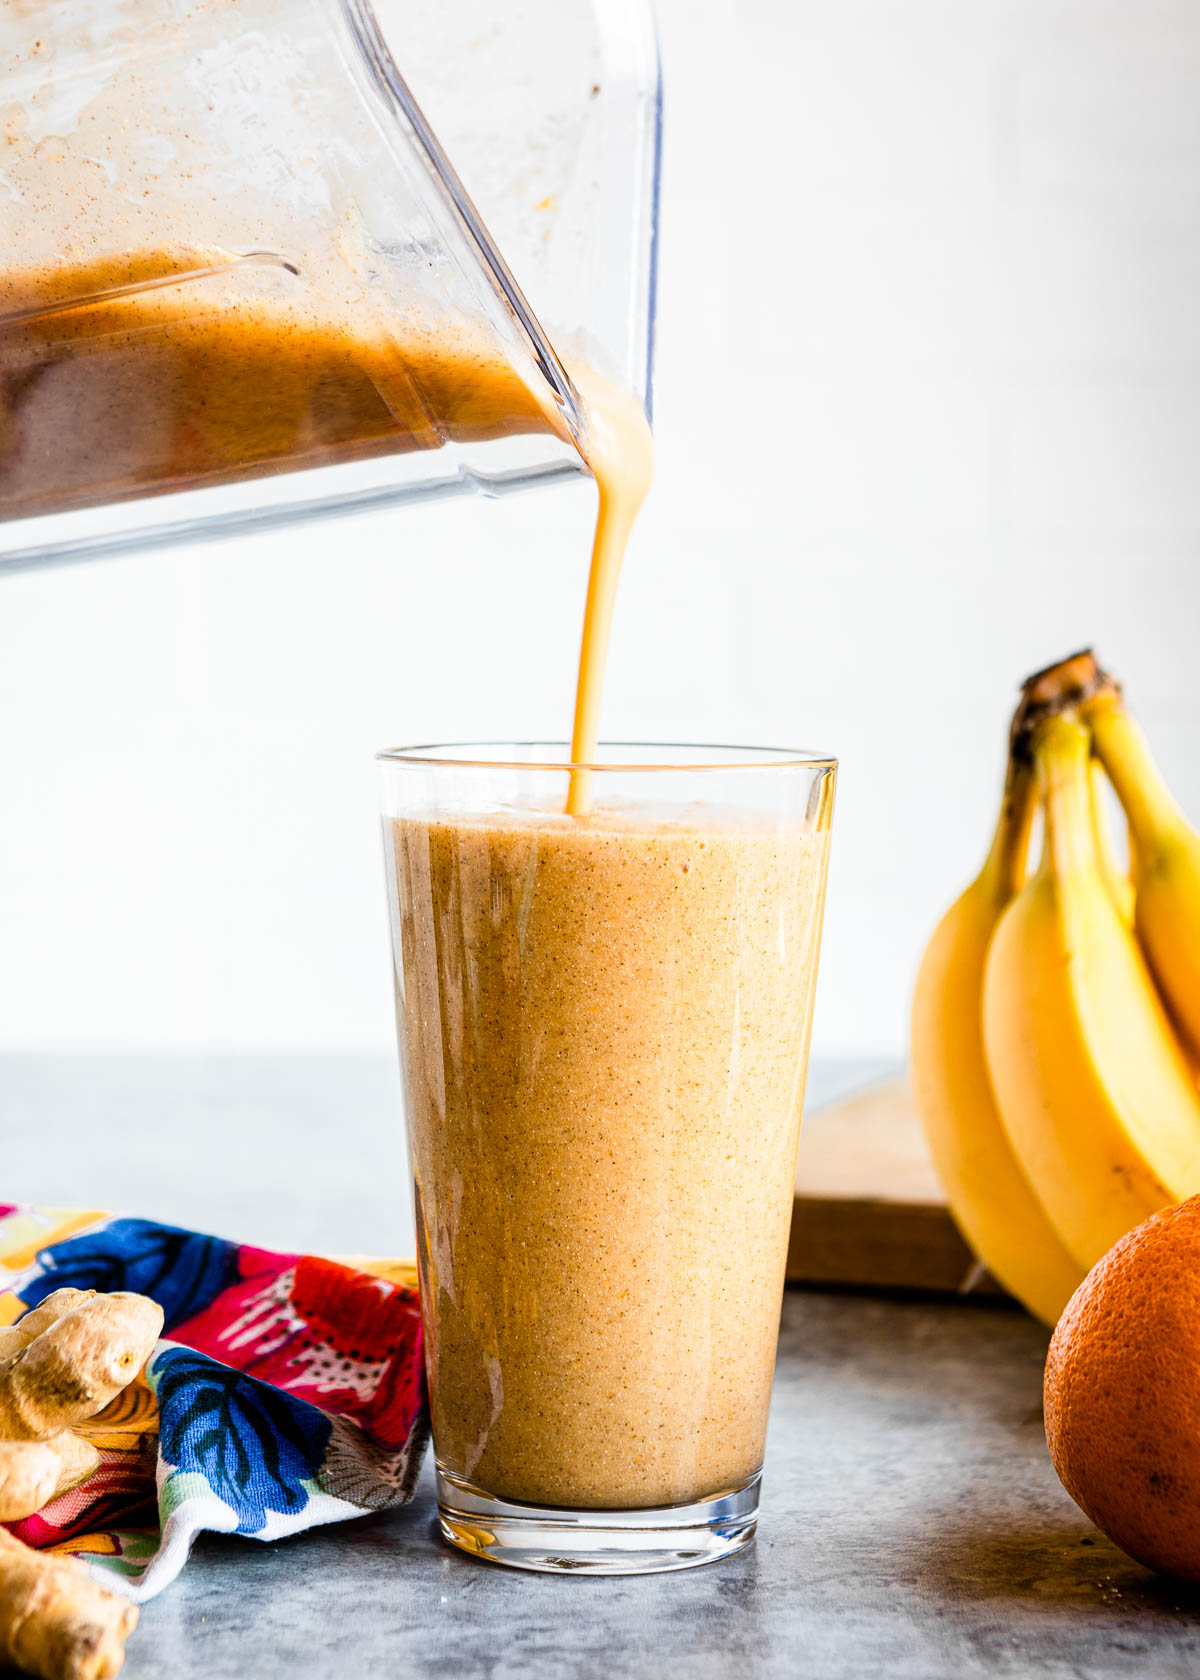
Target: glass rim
462, 755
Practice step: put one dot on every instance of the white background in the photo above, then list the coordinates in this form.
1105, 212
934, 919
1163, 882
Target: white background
928, 416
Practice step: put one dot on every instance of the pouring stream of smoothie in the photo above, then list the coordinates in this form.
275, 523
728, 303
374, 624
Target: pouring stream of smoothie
619, 450
163, 370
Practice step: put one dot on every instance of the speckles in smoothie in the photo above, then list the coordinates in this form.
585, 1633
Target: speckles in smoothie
610, 1169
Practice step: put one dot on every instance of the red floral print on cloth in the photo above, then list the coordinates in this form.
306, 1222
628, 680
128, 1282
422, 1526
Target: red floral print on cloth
348, 1342
287, 1391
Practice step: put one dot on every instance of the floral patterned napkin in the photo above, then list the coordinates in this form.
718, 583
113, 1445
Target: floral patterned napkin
288, 1390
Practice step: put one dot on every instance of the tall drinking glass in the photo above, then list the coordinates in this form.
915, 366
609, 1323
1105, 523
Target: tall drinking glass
604, 1026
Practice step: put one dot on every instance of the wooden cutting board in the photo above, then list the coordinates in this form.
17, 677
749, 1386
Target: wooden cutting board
869, 1209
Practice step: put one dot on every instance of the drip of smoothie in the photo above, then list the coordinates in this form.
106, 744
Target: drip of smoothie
619, 450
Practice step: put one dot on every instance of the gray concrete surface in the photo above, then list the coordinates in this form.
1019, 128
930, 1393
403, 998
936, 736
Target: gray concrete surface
911, 1525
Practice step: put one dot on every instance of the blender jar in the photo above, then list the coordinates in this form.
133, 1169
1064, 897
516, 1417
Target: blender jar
241, 280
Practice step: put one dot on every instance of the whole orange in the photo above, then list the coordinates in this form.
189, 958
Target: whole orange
1122, 1393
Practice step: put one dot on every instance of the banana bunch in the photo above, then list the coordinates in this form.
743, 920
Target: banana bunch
1056, 1019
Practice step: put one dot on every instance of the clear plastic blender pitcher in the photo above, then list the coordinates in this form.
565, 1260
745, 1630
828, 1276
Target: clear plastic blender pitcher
240, 280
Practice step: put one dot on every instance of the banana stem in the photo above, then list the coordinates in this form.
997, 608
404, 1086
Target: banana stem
1061, 751
1154, 818
1004, 867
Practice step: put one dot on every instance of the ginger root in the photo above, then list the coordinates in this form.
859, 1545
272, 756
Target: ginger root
55, 1621
77, 1460
59, 1365
41, 1317
35, 1473
55, 1306
74, 1368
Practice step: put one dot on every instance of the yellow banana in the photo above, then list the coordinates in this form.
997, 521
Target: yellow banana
1116, 877
1090, 1082
1166, 856
989, 1195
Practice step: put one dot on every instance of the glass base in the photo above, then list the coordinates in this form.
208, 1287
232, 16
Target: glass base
596, 1542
